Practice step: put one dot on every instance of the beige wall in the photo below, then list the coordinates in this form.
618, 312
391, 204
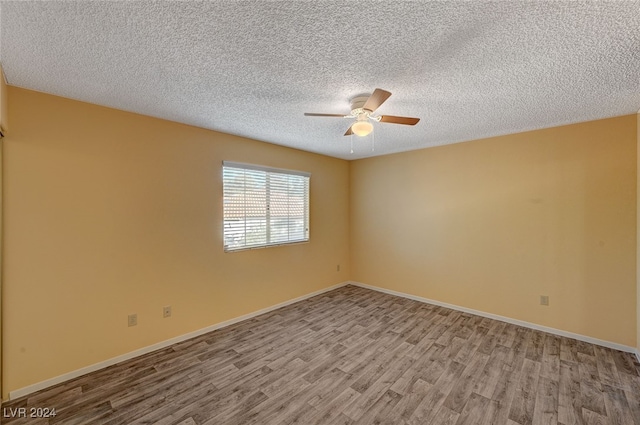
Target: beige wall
493, 224
638, 237
109, 213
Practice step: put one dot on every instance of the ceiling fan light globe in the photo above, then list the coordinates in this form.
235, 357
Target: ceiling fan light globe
362, 128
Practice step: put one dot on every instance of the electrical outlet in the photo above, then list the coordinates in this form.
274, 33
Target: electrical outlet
166, 311
133, 320
544, 300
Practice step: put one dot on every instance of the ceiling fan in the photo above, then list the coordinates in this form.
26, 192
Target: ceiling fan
362, 108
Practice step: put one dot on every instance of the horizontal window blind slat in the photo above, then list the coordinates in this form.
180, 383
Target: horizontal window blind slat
264, 206
234, 166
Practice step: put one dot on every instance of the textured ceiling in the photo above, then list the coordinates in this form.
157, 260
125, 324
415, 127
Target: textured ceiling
251, 68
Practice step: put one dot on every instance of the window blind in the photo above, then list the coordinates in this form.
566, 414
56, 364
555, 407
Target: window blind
264, 206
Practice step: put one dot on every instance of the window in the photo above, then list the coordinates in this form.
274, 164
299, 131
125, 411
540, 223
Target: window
264, 206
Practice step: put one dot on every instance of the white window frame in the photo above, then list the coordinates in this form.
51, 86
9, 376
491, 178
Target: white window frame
297, 189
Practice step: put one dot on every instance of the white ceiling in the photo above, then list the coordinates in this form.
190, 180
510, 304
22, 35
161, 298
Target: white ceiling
251, 68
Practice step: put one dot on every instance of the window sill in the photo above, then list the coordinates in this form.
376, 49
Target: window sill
265, 246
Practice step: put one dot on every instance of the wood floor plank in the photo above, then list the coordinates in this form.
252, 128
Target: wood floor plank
495, 414
408, 379
469, 346
488, 379
410, 400
593, 418
623, 362
508, 335
341, 419
518, 350
569, 400
525, 397
590, 385
474, 410
551, 358
379, 411
568, 350
356, 356
335, 382
327, 412
460, 393
279, 406
545, 411
434, 364
504, 394
536, 346
618, 411
427, 409
444, 416
606, 367
634, 404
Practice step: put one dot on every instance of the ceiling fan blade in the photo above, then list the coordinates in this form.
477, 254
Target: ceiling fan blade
376, 99
399, 120
349, 132
308, 114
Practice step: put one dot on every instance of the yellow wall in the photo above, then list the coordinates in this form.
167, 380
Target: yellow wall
493, 224
109, 213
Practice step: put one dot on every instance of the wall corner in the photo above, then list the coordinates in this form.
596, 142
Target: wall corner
4, 103
638, 234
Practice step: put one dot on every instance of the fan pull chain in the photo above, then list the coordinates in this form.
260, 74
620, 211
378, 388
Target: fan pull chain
351, 139
373, 141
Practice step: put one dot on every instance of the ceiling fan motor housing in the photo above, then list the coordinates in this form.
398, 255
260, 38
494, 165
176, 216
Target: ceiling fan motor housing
358, 102
358, 111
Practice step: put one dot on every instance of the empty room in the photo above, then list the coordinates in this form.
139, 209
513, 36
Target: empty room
320, 212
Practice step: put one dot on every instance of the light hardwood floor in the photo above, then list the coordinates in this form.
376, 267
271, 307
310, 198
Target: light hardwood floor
356, 356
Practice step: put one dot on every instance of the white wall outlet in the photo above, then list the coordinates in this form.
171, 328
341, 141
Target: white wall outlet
133, 320
544, 300
166, 311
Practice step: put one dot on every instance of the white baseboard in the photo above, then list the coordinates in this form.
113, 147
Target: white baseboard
163, 344
522, 323
637, 351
